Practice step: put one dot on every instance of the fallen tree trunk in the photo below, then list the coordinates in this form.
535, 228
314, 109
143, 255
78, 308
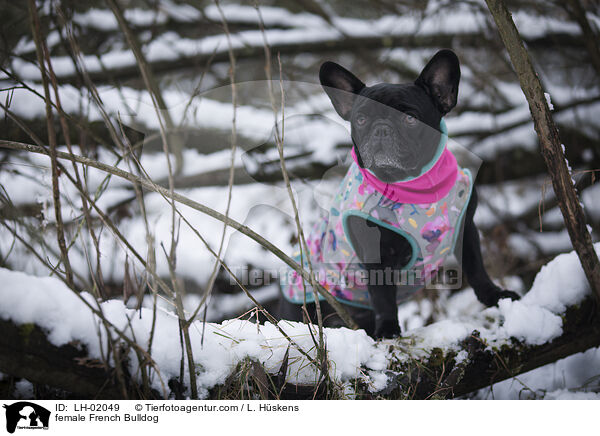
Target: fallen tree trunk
440, 375
26, 352
436, 373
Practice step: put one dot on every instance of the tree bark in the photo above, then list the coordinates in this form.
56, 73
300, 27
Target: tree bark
25, 352
551, 147
439, 376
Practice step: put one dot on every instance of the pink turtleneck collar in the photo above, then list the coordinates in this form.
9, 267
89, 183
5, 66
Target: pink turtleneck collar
429, 187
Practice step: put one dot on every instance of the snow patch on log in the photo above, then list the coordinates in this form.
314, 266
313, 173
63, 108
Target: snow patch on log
48, 303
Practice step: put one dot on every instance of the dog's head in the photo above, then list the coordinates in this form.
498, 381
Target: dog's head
395, 127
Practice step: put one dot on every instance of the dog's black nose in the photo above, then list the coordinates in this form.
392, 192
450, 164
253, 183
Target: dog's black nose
382, 131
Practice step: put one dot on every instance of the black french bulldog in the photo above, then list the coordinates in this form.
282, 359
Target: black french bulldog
395, 132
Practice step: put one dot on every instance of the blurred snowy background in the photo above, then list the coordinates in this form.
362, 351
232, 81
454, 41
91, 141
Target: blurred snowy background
186, 47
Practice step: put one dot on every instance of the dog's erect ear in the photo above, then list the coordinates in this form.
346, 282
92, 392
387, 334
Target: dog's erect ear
341, 86
440, 79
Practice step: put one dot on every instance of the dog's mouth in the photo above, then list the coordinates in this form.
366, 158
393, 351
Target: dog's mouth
402, 159
388, 159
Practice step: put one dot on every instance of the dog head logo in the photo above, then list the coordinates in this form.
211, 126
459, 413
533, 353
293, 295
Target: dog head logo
26, 415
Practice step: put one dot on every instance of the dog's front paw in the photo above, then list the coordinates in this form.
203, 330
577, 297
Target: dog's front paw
387, 329
491, 297
508, 294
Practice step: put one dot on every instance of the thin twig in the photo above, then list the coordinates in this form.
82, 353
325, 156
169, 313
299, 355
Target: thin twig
213, 276
279, 142
60, 233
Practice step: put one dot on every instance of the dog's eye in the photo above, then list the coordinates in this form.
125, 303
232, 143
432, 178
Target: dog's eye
410, 120
361, 120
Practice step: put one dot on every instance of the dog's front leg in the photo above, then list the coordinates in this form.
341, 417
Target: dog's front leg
383, 300
472, 262
381, 251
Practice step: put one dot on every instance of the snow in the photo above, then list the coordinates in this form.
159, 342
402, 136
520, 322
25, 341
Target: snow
535, 319
23, 390
532, 324
51, 305
220, 306
104, 20
265, 208
531, 243
574, 377
24, 183
589, 198
549, 101
254, 125
587, 155
97, 18
303, 28
47, 302
508, 200
559, 284
378, 381
271, 16
564, 394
